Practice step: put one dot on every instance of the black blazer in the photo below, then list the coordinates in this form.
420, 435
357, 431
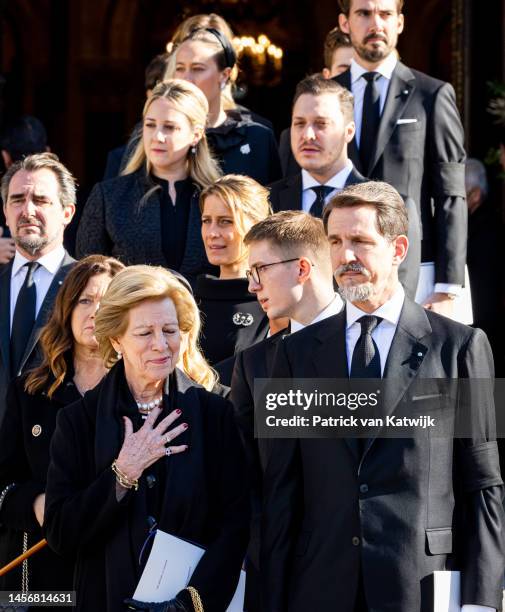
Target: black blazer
115, 222
409, 507
202, 493
250, 364
25, 435
286, 194
424, 159
31, 358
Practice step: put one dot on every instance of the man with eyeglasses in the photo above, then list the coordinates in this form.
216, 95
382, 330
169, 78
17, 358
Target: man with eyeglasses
291, 275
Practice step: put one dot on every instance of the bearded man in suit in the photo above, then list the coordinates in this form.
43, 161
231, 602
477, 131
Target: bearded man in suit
38, 194
362, 527
409, 134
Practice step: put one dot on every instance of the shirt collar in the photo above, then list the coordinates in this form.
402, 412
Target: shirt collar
51, 261
337, 181
390, 311
333, 308
385, 68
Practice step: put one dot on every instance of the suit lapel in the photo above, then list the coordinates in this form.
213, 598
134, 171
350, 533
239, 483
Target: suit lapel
399, 94
407, 352
5, 309
46, 307
355, 178
329, 356
290, 198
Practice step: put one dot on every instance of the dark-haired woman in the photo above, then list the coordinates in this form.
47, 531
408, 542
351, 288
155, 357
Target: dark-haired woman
71, 365
206, 58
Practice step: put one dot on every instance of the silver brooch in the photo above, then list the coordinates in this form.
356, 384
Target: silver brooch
36, 431
243, 318
245, 149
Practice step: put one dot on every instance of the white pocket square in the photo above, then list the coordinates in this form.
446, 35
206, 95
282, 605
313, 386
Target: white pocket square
403, 121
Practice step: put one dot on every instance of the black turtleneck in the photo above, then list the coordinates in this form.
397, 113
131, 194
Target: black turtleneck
174, 219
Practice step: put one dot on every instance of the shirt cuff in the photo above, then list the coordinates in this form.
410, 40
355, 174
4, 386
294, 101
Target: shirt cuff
472, 608
447, 288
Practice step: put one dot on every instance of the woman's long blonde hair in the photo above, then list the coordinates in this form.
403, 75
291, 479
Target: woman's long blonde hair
192, 103
137, 284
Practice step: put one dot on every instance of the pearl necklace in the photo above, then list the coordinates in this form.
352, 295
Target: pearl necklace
148, 406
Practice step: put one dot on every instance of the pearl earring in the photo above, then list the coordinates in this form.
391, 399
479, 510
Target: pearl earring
119, 354
193, 150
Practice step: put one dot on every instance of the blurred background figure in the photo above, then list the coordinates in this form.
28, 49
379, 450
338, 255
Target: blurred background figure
21, 137
151, 213
483, 253
232, 317
207, 59
338, 53
71, 364
118, 158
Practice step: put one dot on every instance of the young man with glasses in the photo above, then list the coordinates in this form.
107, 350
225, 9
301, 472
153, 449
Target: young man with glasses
291, 275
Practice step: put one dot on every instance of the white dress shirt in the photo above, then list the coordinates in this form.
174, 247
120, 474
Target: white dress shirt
42, 277
333, 308
358, 85
383, 337
337, 182
382, 334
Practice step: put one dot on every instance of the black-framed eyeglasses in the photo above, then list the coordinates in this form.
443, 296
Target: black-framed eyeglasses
254, 272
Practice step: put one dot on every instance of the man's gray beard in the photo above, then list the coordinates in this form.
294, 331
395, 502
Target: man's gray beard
356, 293
32, 244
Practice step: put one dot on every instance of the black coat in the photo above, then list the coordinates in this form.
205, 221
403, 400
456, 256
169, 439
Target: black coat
242, 146
232, 318
27, 429
116, 222
32, 354
408, 506
203, 494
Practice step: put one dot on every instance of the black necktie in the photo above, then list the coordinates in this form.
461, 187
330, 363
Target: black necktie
370, 120
366, 361
321, 191
24, 318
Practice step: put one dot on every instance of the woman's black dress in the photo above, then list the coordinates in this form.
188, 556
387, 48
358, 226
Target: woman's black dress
232, 318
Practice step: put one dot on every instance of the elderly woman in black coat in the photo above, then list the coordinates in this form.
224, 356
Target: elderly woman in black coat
147, 448
71, 365
150, 214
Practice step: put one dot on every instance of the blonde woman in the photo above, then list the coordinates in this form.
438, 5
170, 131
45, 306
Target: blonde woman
147, 448
150, 214
232, 317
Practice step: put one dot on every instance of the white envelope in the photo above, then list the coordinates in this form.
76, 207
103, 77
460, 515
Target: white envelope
170, 565
446, 592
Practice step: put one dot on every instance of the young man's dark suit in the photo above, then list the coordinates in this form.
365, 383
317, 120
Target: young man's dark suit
286, 194
254, 362
390, 518
423, 160
31, 355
